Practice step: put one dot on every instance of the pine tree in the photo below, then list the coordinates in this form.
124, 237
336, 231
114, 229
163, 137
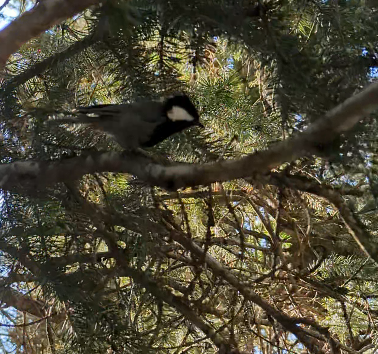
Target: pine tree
101, 261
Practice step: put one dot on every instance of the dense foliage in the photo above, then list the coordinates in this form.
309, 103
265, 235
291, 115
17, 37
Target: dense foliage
265, 264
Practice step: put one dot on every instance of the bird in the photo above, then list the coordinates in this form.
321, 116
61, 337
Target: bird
140, 124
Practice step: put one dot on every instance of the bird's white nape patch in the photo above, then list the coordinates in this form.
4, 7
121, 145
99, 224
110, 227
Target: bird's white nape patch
177, 113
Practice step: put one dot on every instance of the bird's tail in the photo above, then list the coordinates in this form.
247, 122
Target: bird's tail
87, 115
80, 119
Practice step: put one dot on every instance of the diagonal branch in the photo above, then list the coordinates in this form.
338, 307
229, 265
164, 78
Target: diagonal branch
176, 302
322, 132
33, 175
43, 65
289, 323
12, 298
32, 23
25, 303
355, 227
6, 2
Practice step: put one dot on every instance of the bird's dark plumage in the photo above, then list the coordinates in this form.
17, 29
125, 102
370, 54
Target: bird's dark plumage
140, 124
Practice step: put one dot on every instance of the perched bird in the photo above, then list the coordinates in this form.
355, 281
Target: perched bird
139, 124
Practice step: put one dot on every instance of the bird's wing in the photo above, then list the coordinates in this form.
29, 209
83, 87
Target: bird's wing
100, 112
150, 111
130, 124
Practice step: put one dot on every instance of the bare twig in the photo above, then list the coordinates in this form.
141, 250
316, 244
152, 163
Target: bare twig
6, 2
351, 221
287, 322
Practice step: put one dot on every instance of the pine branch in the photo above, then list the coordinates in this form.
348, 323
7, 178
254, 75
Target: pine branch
289, 323
42, 66
351, 221
21, 255
323, 131
32, 23
25, 303
32, 175
13, 298
63, 261
177, 303
234, 195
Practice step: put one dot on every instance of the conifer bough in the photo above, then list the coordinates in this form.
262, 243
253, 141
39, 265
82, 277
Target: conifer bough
32, 23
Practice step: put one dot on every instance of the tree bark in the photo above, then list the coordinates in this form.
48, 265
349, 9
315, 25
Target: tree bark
32, 23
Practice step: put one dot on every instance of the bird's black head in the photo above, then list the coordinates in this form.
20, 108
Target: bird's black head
179, 108
180, 114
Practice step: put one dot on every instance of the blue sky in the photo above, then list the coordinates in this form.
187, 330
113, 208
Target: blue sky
10, 12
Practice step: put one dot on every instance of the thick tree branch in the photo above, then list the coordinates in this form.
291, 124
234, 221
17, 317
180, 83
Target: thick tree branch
33, 175
325, 130
32, 23
24, 303
21, 302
